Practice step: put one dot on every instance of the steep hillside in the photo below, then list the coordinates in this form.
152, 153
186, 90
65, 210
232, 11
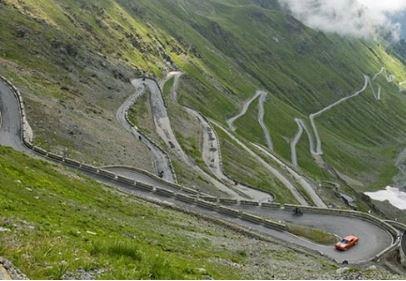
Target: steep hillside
56, 224
245, 47
237, 97
74, 59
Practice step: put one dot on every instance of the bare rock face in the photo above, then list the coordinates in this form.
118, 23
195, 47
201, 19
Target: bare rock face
9, 272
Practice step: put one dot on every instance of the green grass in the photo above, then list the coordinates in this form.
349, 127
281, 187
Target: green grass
244, 168
313, 234
60, 222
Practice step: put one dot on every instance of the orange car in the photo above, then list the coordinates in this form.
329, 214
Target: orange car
347, 243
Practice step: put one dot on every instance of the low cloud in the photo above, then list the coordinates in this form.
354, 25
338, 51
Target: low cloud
357, 18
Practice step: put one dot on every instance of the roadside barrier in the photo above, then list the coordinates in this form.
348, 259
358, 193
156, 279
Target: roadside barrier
252, 218
40, 150
72, 163
144, 186
249, 203
209, 199
107, 174
125, 180
164, 192
185, 198
271, 205
206, 204
228, 211
158, 179
55, 156
226, 201
88, 168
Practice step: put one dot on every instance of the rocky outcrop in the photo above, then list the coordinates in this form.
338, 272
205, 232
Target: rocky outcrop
9, 272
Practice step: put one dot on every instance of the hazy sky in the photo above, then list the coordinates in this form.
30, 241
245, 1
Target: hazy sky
385, 5
357, 18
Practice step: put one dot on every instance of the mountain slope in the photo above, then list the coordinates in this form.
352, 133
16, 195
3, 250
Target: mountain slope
303, 72
57, 224
73, 61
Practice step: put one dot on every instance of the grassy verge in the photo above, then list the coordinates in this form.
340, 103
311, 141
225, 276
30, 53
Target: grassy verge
313, 234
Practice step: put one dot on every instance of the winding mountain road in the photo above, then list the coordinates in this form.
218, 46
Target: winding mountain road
243, 111
261, 115
309, 188
161, 161
10, 120
315, 144
261, 96
164, 130
318, 150
211, 148
285, 181
293, 144
374, 239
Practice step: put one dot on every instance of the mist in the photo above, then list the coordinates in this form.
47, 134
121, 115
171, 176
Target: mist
368, 19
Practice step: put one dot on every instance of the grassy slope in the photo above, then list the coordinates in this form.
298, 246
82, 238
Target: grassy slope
242, 46
57, 223
228, 49
61, 222
242, 167
313, 234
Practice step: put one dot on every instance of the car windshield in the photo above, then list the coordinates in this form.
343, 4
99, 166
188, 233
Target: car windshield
344, 241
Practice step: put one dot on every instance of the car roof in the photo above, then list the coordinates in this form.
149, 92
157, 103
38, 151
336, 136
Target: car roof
350, 237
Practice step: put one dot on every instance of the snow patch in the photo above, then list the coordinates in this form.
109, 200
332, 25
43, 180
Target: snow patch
394, 195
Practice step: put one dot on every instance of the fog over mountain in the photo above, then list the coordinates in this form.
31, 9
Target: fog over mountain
401, 19
356, 18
